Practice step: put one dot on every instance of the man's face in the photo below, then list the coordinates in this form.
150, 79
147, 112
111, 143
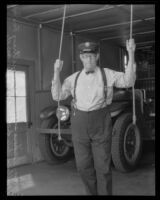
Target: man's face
89, 60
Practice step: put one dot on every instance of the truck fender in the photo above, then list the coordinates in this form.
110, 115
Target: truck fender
48, 112
117, 107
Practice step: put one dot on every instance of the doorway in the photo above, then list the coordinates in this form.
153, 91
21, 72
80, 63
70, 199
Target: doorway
19, 116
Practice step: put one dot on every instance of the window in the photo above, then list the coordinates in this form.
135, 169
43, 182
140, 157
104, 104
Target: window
16, 96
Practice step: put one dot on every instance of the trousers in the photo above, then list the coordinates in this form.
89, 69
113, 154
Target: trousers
92, 138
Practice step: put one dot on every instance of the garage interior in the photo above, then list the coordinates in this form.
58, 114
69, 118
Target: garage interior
33, 42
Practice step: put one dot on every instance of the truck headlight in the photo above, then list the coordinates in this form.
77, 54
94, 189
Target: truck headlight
62, 113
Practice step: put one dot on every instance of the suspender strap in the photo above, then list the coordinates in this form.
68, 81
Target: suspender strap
75, 85
105, 82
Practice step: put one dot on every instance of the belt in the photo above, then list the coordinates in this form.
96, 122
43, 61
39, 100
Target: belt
91, 111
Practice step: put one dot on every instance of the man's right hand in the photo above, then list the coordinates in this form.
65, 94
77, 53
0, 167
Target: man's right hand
58, 65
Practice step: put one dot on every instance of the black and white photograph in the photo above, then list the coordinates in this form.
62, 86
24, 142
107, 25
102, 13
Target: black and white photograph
80, 99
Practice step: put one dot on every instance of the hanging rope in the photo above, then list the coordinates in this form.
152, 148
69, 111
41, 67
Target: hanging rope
62, 31
59, 57
131, 21
133, 91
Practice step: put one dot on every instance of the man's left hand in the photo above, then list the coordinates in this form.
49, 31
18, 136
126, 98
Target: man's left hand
130, 45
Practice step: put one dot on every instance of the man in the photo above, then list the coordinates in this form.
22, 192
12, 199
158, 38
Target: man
91, 121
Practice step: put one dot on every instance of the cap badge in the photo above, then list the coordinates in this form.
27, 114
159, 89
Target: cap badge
87, 44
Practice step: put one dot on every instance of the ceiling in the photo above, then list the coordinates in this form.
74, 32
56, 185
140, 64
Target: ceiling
105, 22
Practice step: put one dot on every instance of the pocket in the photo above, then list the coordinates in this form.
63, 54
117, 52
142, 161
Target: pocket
73, 117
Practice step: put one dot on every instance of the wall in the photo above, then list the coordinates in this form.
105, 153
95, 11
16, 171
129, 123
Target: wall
50, 41
26, 44
22, 38
41, 46
110, 56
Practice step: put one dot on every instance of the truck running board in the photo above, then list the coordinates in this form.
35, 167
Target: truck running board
53, 131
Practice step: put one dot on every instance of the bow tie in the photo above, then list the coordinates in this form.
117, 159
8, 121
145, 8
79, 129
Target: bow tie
90, 72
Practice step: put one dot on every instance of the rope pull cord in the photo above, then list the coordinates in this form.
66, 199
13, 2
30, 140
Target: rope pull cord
133, 91
59, 57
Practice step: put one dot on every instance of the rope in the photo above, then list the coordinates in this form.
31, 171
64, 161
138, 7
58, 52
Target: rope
131, 22
133, 91
62, 31
59, 57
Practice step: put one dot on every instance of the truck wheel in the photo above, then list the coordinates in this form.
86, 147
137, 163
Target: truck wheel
53, 150
126, 143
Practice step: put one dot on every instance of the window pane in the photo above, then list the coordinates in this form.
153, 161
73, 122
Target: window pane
21, 109
20, 83
10, 109
10, 83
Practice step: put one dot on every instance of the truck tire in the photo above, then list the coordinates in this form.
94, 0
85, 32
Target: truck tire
53, 151
126, 143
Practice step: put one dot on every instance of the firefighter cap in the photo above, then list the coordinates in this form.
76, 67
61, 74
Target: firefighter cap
88, 47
